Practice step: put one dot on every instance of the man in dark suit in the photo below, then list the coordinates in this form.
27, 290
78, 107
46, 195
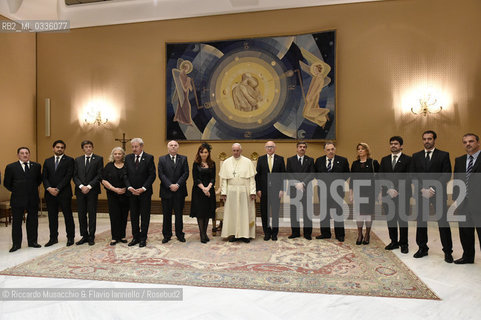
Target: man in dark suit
140, 174
300, 163
468, 169
331, 163
269, 192
22, 178
394, 168
431, 164
173, 173
57, 173
87, 176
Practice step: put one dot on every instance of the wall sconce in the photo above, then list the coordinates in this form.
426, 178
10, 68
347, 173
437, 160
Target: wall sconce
92, 117
427, 104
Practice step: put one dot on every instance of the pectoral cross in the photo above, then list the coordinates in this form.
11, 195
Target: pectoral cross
123, 140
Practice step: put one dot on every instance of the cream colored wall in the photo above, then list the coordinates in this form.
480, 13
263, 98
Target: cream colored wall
17, 98
384, 49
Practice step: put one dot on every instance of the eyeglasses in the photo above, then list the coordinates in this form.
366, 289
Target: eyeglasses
269, 147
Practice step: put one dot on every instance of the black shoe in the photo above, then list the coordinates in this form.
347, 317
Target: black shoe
142, 243
122, 240
404, 248
14, 248
133, 242
293, 236
113, 242
323, 236
181, 239
91, 242
448, 258
308, 237
274, 237
392, 246
359, 241
246, 240
206, 238
165, 240
51, 242
34, 245
421, 253
366, 240
82, 241
203, 240
70, 242
463, 261
340, 239
232, 239
267, 237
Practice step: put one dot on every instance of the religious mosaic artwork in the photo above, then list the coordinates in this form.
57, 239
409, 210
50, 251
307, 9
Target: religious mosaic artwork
260, 88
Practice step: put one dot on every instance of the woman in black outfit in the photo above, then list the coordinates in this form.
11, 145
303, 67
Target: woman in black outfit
366, 169
203, 191
118, 201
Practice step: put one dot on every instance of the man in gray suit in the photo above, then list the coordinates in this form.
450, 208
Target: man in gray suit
86, 176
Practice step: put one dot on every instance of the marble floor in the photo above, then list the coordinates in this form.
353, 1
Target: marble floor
458, 286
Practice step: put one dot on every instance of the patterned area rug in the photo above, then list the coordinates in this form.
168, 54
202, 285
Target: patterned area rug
298, 265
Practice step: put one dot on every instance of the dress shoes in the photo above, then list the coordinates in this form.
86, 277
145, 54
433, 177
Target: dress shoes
359, 241
404, 249
245, 240
203, 240
323, 236
274, 237
142, 243
421, 253
82, 241
448, 257
340, 239
133, 242
91, 242
293, 236
392, 246
232, 239
70, 242
165, 240
267, 237
464, 261
51, 242
308, 237
123, 241
34, 245
113, 242
181, 239
14, 248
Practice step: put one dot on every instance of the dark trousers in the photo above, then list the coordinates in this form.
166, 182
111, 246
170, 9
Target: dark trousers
396, 222
295, 217
140, 210
87, 205
175, 203
444, 228
270, 203
32, 224
118, 213
339, 230
65, 203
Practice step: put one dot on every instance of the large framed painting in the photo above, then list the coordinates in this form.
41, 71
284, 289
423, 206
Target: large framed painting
249, 89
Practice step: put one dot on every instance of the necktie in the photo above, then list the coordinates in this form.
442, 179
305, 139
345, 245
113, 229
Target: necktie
173, 159
329, 165
427, 159
87, 161
469, 170
27, 169
136, 161
56, 162
300, 161
394, 158
270, 163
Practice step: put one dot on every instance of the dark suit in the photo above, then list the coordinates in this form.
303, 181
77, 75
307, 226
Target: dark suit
269, 192
87, 176
173, 173
59, 179
438, 168
24, 188
293, 166
470, 207
138, 176
339, 165
401, 202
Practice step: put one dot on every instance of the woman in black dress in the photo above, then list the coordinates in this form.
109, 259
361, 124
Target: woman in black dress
366, 169
113, 181
203, 192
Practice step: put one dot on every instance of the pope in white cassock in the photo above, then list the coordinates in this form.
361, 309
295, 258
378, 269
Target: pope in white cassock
238, 190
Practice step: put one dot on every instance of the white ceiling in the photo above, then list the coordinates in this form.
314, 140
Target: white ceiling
127, 11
